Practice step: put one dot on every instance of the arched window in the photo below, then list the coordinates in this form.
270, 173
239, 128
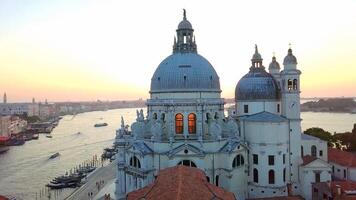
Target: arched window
295, 84
154, 116
192, 122
163, 117
313, 150
217, 180
301, 151
135, 162
290, 84
238, 161
255, 175
179, 123
188, 163
284, 175
271, 177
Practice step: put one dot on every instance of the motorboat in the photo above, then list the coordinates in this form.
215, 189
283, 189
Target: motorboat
54, 155
4, 149
100, 124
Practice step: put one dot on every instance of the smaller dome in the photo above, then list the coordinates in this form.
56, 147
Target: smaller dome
257, 85
290, 58
185, 24
274, 64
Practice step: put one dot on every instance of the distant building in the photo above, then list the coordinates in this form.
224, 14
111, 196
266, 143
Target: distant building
257, 151
13, 108
5, 123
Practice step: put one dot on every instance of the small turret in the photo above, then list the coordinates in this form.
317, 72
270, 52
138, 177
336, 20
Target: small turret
274, 67
257, 59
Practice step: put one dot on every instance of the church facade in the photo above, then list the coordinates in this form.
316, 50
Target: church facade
257, 151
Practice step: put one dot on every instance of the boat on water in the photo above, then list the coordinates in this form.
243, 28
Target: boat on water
4, 149
48, 136
27, 137
66, 181
100, 124
54, 155
35, 136
15, 141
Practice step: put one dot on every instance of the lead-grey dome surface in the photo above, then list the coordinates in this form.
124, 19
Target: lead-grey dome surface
257, 84
290, 58
185, 72
185, 24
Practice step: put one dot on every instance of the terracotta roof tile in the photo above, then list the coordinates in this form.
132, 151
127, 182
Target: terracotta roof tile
340, 157
180, 183
3, 198
281, 198
308, 159
347, 188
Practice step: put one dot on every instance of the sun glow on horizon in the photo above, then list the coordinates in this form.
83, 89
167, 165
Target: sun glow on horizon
89, 50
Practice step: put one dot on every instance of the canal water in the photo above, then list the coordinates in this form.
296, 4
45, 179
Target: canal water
24, 170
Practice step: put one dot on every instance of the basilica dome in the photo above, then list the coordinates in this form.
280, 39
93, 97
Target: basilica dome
185, 72
257, 84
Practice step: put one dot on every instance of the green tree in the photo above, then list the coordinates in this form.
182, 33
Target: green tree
322, 134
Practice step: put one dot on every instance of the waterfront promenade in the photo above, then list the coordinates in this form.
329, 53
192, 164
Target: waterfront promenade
105, 174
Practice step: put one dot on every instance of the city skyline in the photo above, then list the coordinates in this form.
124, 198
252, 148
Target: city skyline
65, 51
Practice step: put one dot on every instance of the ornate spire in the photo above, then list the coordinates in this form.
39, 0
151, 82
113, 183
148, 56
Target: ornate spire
185, 39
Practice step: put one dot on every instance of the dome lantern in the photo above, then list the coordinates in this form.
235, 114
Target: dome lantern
257, 59
185, 37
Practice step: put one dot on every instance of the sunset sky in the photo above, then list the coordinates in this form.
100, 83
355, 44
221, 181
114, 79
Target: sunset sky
87, 50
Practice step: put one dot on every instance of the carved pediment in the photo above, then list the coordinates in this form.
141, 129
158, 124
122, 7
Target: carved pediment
186, 149
140, 147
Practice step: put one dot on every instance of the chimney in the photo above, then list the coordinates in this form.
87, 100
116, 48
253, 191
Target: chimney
338, 190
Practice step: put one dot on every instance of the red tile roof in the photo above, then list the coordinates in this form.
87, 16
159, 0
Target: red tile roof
344, 185
3, 198
181, 183
281, 198
308, 159
348, 188
340, 157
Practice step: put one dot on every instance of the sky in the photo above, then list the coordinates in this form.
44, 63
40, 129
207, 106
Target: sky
87, 50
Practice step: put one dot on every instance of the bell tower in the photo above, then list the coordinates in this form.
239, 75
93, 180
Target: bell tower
290, 76
290, 89
5, 98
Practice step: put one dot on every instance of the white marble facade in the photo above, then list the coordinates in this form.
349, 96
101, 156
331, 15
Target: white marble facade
256, 152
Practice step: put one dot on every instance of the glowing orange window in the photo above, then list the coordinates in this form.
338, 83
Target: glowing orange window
192, 123
179, 123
